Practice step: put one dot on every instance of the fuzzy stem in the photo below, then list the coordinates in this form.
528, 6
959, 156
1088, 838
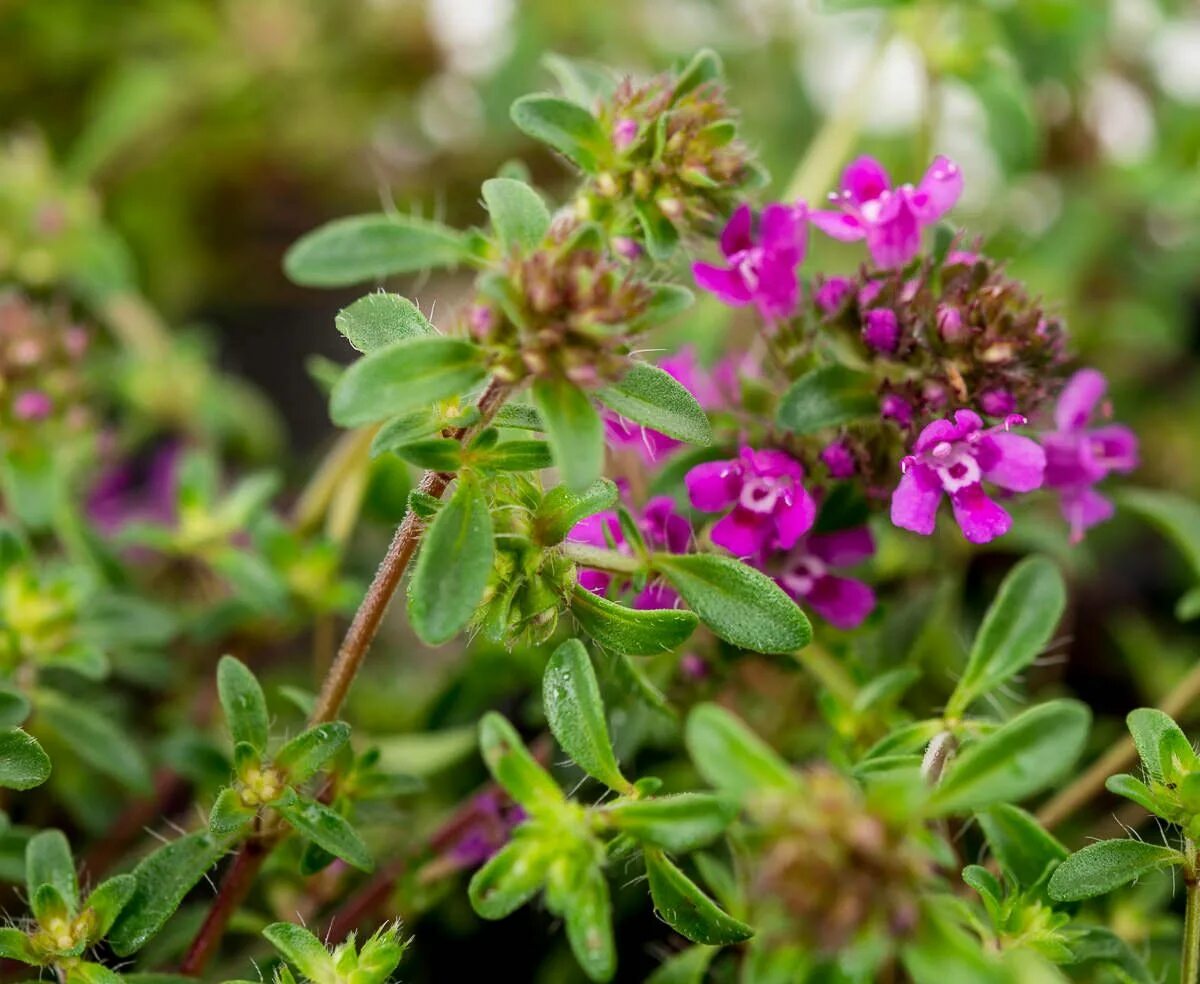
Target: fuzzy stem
601, 559
365, 624
828, 671
1119, 757
937, 755
1189, 967
235, 886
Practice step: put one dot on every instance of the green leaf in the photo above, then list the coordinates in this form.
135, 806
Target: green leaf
688, 967
732, 757
405, 429
575, 712
515, 456
453, 567
582, 82
653, 398
95, 738
574, 430
562, 508
704, 67
1015, 630
15, 945
106, 902
92, 973
678, 823
301, 757
577, 890
660, 235
48, 861
1022, 846
299, 947
741, 605
229, 814
1135, 790
440, 454
1178, 518
1149, 727
666, 301
510, 878
634, 632
244, 703
370, 247
163, 879
1018, 759
686, 909
567, 127
14, 709
405, 376
23, 764
827, 397
511, 765
379, 319
519, 415
327, 829
1106, 865
519, 215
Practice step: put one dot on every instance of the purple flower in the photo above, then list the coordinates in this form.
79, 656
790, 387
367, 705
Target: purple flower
662, 526
881, 330
831, 294
955, 457
624, 133
485, 829
684, 368
1079, 456
138, 490
771, 508
895, 407
32, 405
761, 267
838, 459
949, 323
997, 402
841, 601
889, 219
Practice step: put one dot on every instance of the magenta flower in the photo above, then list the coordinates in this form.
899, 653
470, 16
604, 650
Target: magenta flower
838, 458
486, 827
761, 268
662, 526
1079, 456
32, 405
889, 219
831, 293
841, 601
881, 330
771, 508
684, 368
955, 457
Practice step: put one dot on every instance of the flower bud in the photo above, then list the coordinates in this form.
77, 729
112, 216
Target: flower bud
881, 330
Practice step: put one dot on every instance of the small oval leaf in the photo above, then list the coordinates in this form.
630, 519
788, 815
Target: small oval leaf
1101, 867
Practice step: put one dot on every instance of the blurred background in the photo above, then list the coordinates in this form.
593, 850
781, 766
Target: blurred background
173, 149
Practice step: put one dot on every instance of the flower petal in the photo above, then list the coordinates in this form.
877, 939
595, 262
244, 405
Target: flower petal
783, 230
980, 519
843, 548
793, 520
1079, 398
895, 241
915, 500
938, 191
1115, 447
738, 232
842, 601
865, 180
1021, 465
726, 284
839, 225
743, 533
714, 485
1084, 507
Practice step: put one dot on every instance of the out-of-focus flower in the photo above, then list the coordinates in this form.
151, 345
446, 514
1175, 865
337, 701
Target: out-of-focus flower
955, 457
771, 509
831, 294
1078, 455
889, 219
662, 526
486, 829
881, 330
895, 407
842, 601
761, 265
838, 458
137, 491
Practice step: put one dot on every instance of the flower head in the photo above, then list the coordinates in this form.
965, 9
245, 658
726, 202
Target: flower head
771, 509
889, 219
1078, 455
955, 457
761, 265
806, 575
662, 526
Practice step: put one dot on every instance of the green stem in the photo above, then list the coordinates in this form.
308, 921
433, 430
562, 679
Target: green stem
829, 672
1189, 968
601, 559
